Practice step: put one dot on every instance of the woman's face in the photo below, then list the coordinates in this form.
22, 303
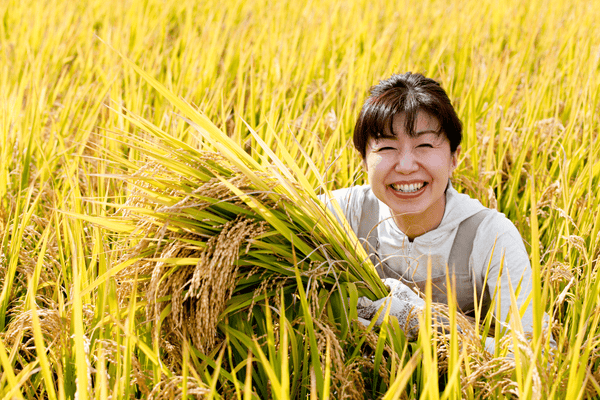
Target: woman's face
410, 174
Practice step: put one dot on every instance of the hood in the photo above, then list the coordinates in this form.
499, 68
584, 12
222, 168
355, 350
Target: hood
458, 208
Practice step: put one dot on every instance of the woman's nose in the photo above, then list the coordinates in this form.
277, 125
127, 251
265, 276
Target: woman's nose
406, 162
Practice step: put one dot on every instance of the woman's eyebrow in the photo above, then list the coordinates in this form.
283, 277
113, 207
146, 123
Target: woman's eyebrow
381, 139
426, 131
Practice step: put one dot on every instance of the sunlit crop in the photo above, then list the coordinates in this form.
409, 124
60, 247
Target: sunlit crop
160, 160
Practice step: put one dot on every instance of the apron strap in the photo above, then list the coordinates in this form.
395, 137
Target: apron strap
458, 263
367, 229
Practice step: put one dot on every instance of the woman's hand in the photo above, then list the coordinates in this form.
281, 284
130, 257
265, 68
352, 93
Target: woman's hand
403, 304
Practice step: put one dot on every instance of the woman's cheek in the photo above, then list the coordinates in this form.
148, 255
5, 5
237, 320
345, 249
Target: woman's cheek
373, 160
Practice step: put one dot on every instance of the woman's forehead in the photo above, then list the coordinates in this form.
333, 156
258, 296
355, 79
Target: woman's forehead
422, 123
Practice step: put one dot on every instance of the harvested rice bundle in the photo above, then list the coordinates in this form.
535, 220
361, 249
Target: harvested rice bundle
211, 240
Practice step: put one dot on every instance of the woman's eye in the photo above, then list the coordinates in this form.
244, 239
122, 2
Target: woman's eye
386, 148
425, 145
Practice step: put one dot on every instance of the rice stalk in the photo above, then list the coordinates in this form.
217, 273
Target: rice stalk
296, 72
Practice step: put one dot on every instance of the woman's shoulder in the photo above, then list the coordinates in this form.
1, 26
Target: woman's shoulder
349, 197
497, 233
494, 223
497, 222
350, 201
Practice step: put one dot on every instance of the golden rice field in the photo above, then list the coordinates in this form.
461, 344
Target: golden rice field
159, 165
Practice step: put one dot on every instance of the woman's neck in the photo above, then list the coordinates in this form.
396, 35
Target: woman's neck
414, 225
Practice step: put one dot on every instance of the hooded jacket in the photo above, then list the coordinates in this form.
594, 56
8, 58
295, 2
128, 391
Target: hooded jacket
497, 245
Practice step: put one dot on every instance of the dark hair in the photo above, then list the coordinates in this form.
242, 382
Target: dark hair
406, 93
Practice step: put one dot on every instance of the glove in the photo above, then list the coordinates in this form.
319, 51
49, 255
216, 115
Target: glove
403, 303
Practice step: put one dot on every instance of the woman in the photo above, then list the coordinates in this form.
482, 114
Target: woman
410, 217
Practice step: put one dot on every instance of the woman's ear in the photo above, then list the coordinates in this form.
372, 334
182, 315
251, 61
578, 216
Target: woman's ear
455, 156
364, 163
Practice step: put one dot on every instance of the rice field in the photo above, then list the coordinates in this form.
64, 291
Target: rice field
160, 160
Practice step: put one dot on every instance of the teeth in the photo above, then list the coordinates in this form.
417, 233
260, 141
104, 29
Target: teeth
413, 187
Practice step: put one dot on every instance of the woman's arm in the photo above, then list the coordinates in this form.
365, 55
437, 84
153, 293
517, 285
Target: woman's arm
499, 246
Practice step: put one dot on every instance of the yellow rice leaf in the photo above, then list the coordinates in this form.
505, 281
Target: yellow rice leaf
106, 223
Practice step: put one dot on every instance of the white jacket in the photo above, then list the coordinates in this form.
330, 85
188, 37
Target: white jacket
497, 239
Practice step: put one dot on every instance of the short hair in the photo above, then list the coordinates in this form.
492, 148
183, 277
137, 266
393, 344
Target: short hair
405, 93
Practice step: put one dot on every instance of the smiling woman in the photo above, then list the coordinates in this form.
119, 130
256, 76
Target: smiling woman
410, 173
410, 218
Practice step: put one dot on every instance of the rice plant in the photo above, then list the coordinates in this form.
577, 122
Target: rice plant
160, 235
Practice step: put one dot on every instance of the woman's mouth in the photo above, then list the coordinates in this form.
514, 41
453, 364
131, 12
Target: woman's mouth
408, 188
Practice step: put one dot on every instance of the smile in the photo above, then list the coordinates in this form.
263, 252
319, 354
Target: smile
408, 188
